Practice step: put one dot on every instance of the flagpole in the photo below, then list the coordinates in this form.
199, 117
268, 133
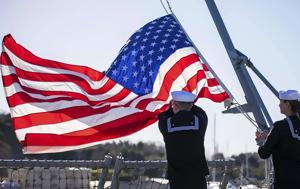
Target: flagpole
203, 59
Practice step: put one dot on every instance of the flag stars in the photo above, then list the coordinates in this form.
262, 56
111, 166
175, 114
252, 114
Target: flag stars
144, 79
143, 47
150, 27
134, 44
169, 30
145, 39
158, 31
124, 68
164, 41
136, 84
161, 49
161, 26
155, 37
186, 42
160, 57
114, 72
180, 31
142, 57
151, 52
173, 46
143, 68
124, 57
133, 52
137, 37
150, 62
147, 33
153, 44
172, 26
175, 40
146, 90
125, 78
134, 63
151, 73
167, 35
178, 35
135, 74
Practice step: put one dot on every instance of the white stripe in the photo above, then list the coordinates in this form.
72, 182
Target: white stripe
7, 70
16, 87
78, 124
69, 87
41, 107
23, 65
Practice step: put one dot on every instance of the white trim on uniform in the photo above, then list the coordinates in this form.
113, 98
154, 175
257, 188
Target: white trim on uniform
183, 128
294, 135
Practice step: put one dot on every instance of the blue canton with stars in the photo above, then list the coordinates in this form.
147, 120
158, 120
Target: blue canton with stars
138, 62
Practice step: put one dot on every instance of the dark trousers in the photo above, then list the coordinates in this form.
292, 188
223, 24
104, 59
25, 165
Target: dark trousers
191, 182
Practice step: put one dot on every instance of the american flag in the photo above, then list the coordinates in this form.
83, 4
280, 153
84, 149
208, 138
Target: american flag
58, 107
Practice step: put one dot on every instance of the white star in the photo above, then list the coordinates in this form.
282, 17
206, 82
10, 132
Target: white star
150, 27
154, 22
169, 30
151, 73
175, 40
167, 35
164, 21
136, 84
134, 44
151, 52
161, 49
150, 62
142, 57
145, 39
143, 68
124, 57
161, 26
135, 74
178, 35
180, 31
133, 52
125, 78
159, 58
147, 33
158, 31
164, 41
124, 68
146, 90
142, 47
144, 79
138, 36
153, 44
155, 37
172, 26
114, 72
186, 42
173, 47
134, 63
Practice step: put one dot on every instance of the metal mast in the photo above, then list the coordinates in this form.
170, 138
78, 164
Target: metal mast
239, 62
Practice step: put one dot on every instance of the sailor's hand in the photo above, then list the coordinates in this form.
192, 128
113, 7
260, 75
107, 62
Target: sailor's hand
261, 137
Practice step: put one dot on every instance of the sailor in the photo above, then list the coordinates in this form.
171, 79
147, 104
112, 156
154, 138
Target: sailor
183, 128
283, 142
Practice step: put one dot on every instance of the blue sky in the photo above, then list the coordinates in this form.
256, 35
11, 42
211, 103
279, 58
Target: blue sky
92, 32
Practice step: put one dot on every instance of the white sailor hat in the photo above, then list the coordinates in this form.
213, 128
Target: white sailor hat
183, 96
289, 95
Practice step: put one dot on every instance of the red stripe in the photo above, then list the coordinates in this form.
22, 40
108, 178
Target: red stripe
57, 116
130, 124
30, 58
22, 97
